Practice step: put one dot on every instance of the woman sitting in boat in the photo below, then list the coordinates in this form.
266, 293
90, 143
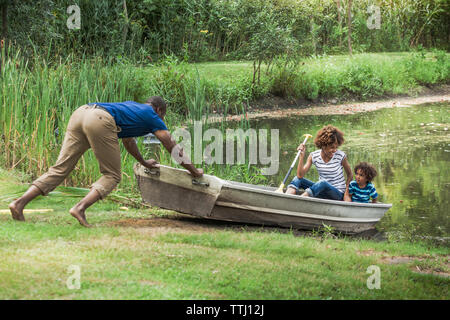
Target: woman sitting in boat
330, 163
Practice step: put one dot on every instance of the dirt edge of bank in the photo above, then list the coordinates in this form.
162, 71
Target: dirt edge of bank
276, 107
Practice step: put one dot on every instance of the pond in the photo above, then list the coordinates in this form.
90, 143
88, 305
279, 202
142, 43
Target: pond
410, 147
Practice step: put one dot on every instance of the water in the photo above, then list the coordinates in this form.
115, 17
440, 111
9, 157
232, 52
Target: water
410, 147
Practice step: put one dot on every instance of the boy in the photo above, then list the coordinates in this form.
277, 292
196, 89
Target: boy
362, 189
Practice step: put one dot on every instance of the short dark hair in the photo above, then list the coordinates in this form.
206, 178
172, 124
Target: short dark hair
329, 135
367, 169
156, 102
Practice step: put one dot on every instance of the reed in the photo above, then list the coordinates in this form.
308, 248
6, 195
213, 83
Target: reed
37, 102
38, 98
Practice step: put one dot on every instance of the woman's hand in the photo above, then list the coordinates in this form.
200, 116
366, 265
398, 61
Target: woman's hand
301, 147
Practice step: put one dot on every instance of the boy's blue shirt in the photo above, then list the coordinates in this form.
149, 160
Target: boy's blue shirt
135, 119
364, 194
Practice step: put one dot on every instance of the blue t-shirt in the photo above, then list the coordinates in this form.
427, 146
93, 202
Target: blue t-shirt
364, 194
135, 119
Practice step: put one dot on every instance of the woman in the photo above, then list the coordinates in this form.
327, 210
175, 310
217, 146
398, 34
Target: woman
330, 163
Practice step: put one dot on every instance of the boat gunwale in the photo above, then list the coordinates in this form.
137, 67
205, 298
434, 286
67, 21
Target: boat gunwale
231, 185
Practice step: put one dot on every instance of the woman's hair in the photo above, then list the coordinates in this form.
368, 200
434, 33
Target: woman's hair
367, 169
329, 135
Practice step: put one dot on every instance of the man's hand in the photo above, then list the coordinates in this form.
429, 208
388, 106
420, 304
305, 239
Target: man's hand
152, 163
197, 174
347, 197
169, 143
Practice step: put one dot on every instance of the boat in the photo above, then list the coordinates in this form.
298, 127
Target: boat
213, 198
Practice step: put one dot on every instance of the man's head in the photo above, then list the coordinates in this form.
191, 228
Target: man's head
158, 104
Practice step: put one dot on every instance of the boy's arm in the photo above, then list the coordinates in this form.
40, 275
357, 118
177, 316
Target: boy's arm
350, 193
349, 173
374, 195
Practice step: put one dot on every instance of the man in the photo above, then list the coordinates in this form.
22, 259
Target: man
100, 126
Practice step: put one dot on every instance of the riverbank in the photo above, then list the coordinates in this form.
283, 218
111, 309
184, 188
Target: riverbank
149, 253
275, 108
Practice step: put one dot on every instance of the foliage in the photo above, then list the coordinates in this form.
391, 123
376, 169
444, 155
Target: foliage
204, 30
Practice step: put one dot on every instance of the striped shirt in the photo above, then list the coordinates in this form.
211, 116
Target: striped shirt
364, 194
332, 171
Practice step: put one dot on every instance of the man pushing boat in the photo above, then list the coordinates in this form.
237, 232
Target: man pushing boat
100, 126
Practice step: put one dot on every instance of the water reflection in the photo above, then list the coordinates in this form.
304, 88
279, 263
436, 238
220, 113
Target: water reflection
410, 147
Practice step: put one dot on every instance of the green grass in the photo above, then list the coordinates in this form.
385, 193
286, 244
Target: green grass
152, 254
363, 76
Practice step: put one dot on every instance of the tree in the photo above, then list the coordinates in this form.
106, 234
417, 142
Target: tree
338, 4
4, 5
125, 27
349, 25
268, 41
4, 42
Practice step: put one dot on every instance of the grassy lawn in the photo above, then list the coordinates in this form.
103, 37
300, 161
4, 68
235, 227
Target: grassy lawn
363, 76
157, 254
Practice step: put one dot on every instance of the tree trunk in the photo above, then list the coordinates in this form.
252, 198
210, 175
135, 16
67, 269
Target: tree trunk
125, 28
4, 42
5, 21
349, 24
313, 36
338, 3
254, 72
259, 71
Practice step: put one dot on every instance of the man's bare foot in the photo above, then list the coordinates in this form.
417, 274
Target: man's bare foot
80, 216
16, 211
305, 194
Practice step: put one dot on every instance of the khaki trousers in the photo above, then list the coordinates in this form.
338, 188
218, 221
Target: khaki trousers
88, 127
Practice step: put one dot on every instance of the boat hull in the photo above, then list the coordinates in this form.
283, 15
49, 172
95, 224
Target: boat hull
213, 198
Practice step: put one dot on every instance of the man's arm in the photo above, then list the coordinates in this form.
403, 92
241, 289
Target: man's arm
131, 146
177, 152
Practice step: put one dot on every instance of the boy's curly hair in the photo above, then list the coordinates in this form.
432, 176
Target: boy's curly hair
328, 135
367, 169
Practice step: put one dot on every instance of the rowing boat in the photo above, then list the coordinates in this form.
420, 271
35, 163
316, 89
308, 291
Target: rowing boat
214, 198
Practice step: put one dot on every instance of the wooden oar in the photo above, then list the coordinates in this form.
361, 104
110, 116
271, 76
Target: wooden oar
281, 187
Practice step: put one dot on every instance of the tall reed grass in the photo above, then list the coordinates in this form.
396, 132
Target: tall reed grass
38, 98
37, 101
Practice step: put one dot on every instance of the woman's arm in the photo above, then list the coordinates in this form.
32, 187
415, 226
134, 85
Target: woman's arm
303, 169
349, 173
